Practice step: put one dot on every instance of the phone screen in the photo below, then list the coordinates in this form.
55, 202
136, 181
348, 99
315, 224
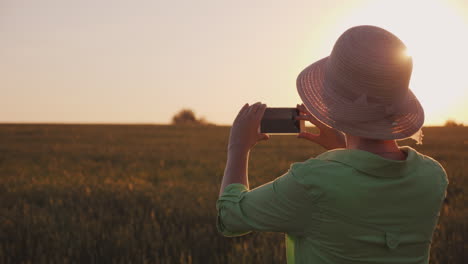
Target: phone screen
281, 120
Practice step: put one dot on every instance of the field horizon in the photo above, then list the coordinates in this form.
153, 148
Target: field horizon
136, 124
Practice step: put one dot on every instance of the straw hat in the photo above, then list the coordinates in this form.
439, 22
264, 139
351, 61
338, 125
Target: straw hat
362, 87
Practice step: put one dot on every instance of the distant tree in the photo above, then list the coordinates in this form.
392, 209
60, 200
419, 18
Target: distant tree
187, 117
202, 120
452, 123
184, 116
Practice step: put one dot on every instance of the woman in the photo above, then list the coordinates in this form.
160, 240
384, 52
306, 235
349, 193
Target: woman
365, 200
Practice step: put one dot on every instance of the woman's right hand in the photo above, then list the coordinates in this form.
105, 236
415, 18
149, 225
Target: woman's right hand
328, 137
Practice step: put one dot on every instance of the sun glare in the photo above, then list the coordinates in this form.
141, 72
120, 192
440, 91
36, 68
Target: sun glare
407, 52
436, 39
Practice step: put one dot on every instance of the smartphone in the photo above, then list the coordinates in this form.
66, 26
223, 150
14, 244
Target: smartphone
281, 121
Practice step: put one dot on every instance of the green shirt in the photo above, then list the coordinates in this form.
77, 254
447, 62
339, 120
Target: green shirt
344, 206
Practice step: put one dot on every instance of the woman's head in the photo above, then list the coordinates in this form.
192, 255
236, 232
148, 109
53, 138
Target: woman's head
362, 88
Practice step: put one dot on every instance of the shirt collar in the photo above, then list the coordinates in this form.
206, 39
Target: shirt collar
371, 163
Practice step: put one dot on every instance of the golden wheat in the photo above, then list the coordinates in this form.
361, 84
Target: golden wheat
146, 194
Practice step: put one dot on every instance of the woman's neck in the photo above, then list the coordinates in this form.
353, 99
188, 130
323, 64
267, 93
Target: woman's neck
385, 148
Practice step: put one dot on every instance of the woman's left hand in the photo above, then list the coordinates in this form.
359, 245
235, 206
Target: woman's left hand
245, 129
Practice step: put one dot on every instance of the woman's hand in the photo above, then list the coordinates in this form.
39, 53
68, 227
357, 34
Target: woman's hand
328, 137
245, 129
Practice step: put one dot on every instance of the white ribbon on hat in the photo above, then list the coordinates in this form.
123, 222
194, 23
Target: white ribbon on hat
361, 110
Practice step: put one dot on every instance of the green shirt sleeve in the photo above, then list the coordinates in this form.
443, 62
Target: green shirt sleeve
277, 206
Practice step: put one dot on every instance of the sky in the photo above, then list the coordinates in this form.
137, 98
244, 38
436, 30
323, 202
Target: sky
141, 61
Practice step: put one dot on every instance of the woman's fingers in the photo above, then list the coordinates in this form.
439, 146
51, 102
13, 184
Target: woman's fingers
309, 136
249, 110
303, 109
260, 106
302, 117
262, 136
242, 111
256, 107
254, 112
253, 108
310, 119
260, 111
308, 116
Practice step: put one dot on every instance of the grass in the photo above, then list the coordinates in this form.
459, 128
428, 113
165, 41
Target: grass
146, 194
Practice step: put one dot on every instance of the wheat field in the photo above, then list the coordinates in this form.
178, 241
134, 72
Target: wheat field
147, 193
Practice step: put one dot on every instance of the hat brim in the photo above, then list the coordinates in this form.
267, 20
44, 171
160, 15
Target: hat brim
310, 86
